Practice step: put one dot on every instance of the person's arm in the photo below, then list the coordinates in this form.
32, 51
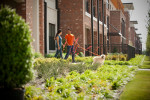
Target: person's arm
54, 38
66, 40
58, 42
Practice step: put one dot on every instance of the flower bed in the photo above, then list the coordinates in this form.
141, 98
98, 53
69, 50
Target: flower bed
82, 81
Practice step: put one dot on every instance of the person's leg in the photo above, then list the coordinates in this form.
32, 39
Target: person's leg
61, 53
68, 52
57, 51
73, 53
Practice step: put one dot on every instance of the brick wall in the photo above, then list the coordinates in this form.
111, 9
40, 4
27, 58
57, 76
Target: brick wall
19, 7
71, 16
127, 35
133, 34
115, 21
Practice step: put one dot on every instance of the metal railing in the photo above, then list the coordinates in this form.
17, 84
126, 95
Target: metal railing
112, 48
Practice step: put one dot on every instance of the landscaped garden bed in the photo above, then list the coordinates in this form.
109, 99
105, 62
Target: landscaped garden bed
58, 79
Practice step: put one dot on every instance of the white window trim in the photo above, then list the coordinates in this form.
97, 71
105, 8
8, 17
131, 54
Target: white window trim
95, 19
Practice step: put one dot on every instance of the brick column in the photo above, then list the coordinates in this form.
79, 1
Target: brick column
41, 25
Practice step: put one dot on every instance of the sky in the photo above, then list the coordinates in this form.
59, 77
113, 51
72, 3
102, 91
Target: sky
139, 14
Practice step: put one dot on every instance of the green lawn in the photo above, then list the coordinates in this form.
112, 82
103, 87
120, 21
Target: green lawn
139, 87
146, 63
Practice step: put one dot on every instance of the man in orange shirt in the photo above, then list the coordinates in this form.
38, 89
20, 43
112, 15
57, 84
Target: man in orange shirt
70, 40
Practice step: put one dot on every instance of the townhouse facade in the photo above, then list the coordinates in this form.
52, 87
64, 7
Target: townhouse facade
111, 23
77, 16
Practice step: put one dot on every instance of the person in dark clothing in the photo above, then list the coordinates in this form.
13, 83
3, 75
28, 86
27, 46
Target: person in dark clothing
58, 39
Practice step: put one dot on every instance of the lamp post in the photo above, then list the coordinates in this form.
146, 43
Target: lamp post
98, 27
103, 26
92, 25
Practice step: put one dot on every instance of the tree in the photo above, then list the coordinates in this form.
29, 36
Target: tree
148, 36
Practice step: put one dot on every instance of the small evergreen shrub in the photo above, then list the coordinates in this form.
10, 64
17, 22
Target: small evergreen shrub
15, 50
50, 55
81, 54
38, 55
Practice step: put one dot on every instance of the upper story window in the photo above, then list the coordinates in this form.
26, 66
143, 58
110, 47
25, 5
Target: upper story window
100, 16
87, 6
107, 4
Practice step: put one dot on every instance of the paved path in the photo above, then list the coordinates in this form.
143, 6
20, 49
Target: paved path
145, 69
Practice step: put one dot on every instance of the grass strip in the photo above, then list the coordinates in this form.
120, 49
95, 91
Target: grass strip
138, 88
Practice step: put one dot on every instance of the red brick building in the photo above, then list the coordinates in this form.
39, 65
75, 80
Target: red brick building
127, 8
25, 8
117, 26
133, 33
45, 17
138, 45
77, 16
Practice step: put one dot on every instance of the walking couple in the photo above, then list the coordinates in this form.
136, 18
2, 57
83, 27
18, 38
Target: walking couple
70, 41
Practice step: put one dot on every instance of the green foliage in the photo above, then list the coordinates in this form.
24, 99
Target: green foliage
50, 55
146, 63
138, 60
113, 62
89, 84
38, 55
50, 67
84, 80
53, 67
115, 50
116, 56
33, 93
81, 54
148, 35
15, 50
134, 61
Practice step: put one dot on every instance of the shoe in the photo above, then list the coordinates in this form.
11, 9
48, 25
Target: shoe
73, 62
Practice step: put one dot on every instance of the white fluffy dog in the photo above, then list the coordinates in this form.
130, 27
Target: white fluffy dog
99, 60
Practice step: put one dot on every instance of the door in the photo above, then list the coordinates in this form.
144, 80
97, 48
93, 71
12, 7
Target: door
51, 36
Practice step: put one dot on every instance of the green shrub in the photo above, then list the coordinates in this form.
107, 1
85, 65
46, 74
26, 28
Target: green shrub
38, 55
15, 50
50, 67
81, 54
53, 67
33, 93
115, 50
122, 57
114, 57
50, 55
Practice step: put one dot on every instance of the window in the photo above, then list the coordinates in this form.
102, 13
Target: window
107, 21
94, 13
51, 36
87, 6
123, 27
99, 16
107, 4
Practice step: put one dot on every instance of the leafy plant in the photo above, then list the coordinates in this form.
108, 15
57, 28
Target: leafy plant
16, 55
38, 55
81, 54
33, 93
